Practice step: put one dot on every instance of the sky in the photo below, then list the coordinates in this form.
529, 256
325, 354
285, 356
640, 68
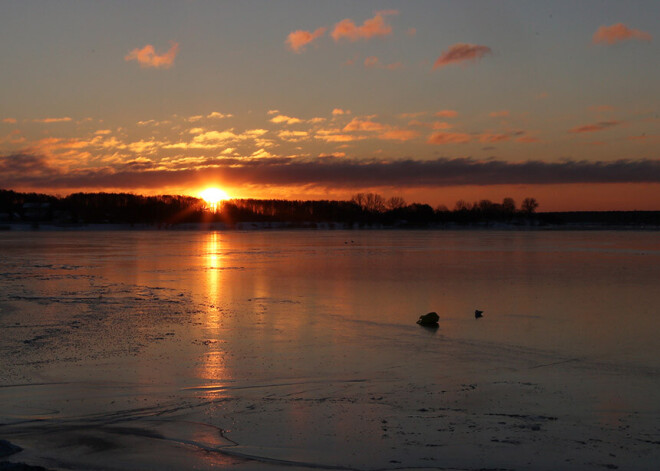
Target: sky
435, 101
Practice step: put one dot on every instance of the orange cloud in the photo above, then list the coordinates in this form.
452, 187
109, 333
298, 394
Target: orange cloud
280, 118
446, 114
293, 136
339, 111
147, 56
371, 27
357, 124
215, 137
53, 120
461, 52
594, 127
297, 40
399, 135
335, 135
449, 138
499, 114
618, 32
9, 120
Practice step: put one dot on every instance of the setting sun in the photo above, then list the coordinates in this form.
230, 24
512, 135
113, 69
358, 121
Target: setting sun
213, 196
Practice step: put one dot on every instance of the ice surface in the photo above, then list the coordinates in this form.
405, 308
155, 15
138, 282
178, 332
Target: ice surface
260, 350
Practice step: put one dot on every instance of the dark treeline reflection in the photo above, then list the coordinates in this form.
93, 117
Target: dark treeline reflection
364, 209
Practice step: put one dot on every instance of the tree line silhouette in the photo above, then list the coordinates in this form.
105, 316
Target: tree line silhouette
362, 210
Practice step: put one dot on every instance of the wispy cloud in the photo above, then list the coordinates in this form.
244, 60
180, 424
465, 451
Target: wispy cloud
449, 138
528, 139
372, 62
218, 115
435, 125
372, 27
595, 127
499, 114
297, 40
494, 137
618, 32
446, 114
147, 56
339, 112
461, 53
9, 120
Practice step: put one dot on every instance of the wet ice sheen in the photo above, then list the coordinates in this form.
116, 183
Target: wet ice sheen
179, 350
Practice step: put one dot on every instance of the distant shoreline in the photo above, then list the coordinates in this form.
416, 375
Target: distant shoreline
314, 226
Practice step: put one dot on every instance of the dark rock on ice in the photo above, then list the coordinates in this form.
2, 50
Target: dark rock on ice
7, 448
429, 320
9, 466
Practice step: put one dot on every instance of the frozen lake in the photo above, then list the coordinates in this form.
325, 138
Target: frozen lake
299, 349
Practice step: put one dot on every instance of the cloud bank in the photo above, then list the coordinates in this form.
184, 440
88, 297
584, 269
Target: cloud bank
27, 170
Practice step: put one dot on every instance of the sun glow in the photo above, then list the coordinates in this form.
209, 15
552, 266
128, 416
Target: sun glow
213, 196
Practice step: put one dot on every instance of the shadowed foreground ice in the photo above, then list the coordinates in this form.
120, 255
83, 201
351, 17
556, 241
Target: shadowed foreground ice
299, 350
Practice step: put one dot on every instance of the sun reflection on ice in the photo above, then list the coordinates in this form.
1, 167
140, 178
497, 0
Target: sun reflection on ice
213, 363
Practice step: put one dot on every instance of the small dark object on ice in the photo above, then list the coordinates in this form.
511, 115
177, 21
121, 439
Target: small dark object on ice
478, 313
429, 320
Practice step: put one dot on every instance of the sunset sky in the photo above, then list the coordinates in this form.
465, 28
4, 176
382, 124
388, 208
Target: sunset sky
434, 101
